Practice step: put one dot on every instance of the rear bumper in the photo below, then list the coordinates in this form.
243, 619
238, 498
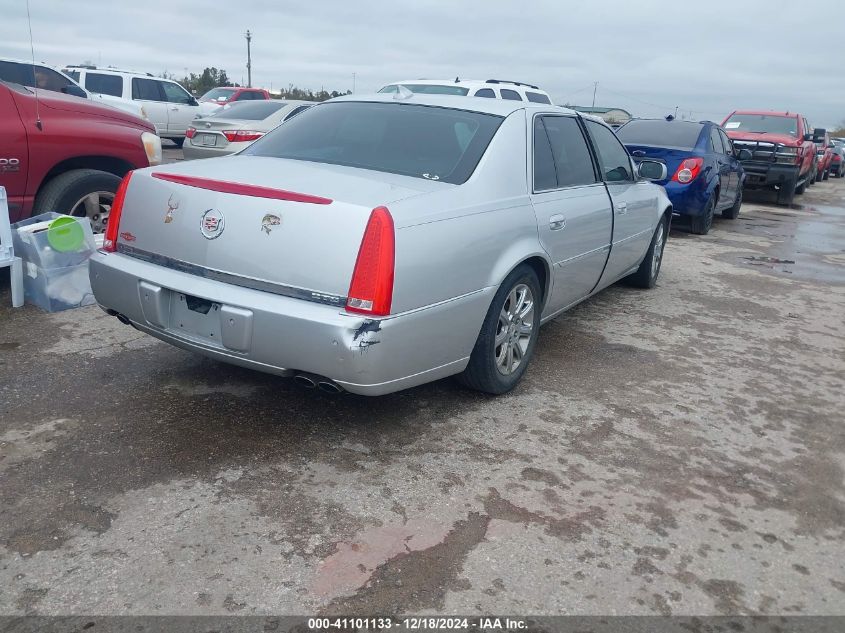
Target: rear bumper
283, 336
689, 199
759, 175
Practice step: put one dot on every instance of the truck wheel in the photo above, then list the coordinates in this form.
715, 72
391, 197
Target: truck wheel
701, 224
802, 187
80, 192
508, 335
732, 213
646, 275
787, 191
826, 175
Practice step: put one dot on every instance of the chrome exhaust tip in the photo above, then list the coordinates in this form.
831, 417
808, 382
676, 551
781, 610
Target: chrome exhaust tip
304, 380
329, 387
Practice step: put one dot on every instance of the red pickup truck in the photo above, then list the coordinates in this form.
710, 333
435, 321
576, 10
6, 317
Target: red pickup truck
782, 147
65, 154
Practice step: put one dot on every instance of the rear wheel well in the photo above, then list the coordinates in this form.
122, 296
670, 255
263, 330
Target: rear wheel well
540, 267
108, 164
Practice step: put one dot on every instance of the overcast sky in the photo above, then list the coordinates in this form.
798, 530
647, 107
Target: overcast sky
647, 56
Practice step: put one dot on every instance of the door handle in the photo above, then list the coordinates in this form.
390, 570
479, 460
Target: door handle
622, 208
557, 222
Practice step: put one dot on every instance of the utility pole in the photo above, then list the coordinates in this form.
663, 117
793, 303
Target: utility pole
595, 87
248, 59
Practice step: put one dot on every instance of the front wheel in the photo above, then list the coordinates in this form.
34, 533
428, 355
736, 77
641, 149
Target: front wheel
732, 213
826, 175
646, 275
786, 193
87, 193
701, 224
506, 342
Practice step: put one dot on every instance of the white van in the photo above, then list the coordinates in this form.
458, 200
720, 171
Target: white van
168, 105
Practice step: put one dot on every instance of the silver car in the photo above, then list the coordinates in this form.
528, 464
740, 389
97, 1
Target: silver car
375, 243
235, 126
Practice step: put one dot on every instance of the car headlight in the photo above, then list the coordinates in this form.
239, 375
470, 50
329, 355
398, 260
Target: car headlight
786, 154
152, 146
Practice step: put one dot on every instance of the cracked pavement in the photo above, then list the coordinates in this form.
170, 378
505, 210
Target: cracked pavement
675, 451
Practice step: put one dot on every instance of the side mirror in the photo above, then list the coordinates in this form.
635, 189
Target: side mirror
75, 91
193, 102
818, 135
652, 170
743, 154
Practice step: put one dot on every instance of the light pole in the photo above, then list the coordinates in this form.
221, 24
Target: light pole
248, 59
595, 87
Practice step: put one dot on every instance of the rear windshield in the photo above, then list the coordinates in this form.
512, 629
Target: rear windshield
429, 89
217, 93
660, 133
413, 140
763, 124
249, 110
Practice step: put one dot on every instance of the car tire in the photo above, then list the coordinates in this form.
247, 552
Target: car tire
701, 224
66, 192
732, 213
802, 187
500, 340
826, 175
646, 275
179, 141
787, 191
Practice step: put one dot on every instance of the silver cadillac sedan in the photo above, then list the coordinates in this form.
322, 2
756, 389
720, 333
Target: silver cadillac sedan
375, 243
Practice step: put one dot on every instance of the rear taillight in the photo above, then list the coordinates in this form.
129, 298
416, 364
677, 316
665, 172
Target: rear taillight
688, 170
113, 225
242, 135
190, 132
371, 289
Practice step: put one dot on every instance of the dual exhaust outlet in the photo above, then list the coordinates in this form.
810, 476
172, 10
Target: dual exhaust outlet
313, 381
303, 379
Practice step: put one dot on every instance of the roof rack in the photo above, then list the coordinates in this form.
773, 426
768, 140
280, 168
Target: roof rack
515, 83
111, 68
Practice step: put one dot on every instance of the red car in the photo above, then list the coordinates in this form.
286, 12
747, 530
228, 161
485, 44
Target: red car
65, 154
824, 152
783, 150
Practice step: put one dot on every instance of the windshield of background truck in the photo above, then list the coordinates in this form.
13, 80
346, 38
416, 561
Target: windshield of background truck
762, 124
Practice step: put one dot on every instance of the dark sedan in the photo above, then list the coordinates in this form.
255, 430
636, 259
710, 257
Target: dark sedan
706, 178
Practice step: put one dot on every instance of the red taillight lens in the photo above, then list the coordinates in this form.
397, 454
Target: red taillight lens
113, 226
688, 170
190, 132
371, 290
242, 135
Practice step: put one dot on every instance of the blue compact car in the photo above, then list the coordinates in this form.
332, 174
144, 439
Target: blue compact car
705, 176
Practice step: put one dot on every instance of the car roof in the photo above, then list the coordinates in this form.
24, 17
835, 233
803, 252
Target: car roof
115, 71
500, 107
766, 112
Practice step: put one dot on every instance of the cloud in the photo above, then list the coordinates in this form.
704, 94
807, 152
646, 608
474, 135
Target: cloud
647, 56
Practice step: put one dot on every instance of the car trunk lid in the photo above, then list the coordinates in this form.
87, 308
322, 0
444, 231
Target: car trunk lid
291, 227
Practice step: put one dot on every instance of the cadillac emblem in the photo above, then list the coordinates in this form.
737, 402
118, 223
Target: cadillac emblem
212, 224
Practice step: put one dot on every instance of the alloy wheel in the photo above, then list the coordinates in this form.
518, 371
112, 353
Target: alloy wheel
514, 329
95, 206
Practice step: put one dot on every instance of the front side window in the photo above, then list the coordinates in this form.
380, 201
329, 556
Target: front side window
573, 163
48, 79
104, 84
146, 89
442, 144
513, 95
174, 93
614, 160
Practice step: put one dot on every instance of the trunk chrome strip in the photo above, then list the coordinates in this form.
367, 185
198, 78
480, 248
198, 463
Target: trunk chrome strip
228, 278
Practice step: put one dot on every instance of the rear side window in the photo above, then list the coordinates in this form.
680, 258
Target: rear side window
427, 142
104, 84
660, 133
573, 162
146, 89
512, 95
536, 97
615, 162
17, 73
545, 175
486, 92
716, 141
296, 111
429, 89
